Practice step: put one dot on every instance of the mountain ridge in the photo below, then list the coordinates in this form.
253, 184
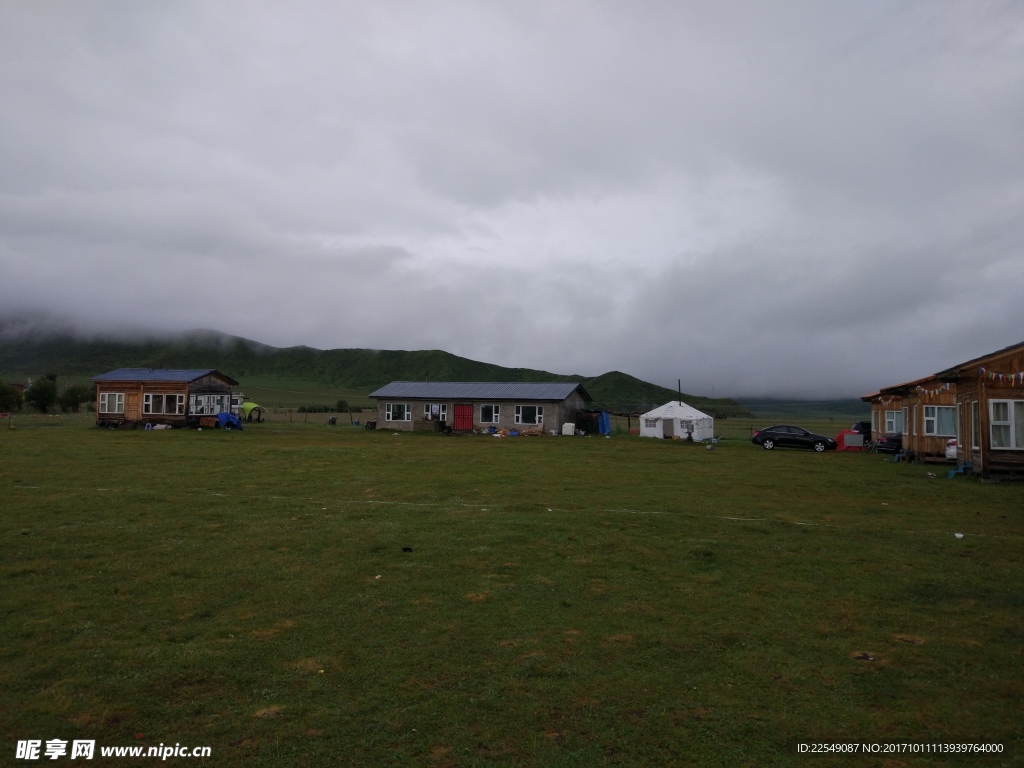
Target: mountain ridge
27, 350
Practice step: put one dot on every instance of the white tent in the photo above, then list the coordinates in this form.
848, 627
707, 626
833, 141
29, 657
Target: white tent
677, 420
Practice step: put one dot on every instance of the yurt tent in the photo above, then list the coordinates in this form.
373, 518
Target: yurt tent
677, 420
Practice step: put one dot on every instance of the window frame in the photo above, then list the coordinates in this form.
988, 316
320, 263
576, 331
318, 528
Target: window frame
932, 430
539, 415
209, 401
389, 410
442, 412
1010, 423
975, 425
495, 413
104, 402
891, 417
177, 409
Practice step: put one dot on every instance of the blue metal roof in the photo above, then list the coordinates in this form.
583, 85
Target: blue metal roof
180, 375
481, 390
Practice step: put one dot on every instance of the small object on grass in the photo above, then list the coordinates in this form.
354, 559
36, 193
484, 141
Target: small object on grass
932, 475
863, 656
958, 535
321, 671
407, 549
377, 577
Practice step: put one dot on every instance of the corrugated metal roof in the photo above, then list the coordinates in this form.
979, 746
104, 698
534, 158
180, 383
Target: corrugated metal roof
481, 390
159, 374
959, 370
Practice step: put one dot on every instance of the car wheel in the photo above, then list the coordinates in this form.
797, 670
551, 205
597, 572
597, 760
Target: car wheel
819, 447
768, 444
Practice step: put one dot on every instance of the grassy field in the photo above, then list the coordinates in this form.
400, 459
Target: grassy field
305, 595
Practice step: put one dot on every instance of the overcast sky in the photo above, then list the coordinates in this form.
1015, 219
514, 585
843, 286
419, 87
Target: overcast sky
791, 199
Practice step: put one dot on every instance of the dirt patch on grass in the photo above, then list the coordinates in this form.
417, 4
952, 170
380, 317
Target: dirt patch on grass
476, 597
620, 640
909, 639
697, 713
269, 713
264, 634
305, 665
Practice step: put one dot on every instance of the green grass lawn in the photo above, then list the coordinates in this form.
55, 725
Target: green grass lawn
312, 596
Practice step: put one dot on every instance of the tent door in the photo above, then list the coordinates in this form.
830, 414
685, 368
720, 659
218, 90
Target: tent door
463, 417
667, 427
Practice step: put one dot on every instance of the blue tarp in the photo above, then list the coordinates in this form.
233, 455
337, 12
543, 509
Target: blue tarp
228, 420
604, 423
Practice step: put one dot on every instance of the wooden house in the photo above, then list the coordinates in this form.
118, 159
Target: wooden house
923, 411
887, 413
161, 396
464, 406
990, 412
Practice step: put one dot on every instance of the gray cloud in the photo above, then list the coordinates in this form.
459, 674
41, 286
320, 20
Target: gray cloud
800, 199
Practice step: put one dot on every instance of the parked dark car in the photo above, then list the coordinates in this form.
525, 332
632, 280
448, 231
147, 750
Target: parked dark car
891, 443
788, 436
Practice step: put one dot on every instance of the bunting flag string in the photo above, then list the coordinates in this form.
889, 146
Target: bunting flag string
1013, 379
887, 401
947, 387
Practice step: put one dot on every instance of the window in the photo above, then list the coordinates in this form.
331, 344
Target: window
906, 424
649, 423
940, 420
111, 402
893, 421
163, 404
529, 414
209, 405
435, 412
397, 412
489, 414
874, 421
913, 419
975, 425
1006, 422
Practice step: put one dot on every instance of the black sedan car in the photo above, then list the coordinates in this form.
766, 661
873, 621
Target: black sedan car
891, 443
788, 436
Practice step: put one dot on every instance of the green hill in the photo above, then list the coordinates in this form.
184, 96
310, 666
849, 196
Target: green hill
26, 351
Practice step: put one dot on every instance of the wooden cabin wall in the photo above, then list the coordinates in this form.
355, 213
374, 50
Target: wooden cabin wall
134, 398
974, 388
916, 440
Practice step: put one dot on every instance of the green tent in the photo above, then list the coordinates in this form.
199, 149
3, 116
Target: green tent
249, 407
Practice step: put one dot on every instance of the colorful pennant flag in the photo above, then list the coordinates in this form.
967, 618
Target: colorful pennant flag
1013, 379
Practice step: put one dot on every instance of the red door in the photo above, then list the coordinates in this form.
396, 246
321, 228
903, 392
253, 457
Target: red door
464, 417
